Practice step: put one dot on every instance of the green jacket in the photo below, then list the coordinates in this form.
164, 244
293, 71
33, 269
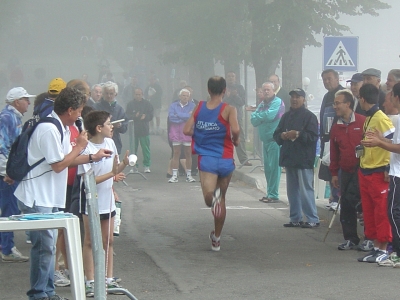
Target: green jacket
266, 118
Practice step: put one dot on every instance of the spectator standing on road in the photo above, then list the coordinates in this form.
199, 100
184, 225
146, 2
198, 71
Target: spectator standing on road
52, 173
372, 176
154, 93
95, 94
61, 277
390, 108
356, 83
373, 76
17, 103
297, 134
393, 77
141, 112
280, 92
42, 107
375, 139
100, 129
129, 91
345, 135
240, 96
109, 104
215, 130
327, 115
266, 119
179, 112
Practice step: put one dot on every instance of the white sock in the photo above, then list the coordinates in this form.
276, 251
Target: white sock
109, 280
88, 282
188, 173
175, 172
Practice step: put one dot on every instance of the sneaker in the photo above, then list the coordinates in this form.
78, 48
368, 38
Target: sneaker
331, 206
14, 256
28, 241
348, 245
334, 206
378, 256
173, 179
391, 261
369, 254
216, 203
89, 289
366, 246
190, 179
310, 225
215, 243
60, 279
293, 224
147, 170
114, 285
117, 279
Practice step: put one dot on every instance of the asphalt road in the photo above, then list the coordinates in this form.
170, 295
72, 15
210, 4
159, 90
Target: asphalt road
163, 251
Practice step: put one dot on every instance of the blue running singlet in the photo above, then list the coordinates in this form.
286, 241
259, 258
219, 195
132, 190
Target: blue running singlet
212, 133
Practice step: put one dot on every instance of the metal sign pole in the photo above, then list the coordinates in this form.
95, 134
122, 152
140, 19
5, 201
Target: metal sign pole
95, 236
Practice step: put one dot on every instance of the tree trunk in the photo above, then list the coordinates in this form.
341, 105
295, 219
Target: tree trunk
292, 56
206, 68
264, 55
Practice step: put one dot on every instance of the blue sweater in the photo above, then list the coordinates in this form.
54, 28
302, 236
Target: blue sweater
10, 129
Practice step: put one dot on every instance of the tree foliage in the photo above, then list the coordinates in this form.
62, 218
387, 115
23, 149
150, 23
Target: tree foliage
262, 32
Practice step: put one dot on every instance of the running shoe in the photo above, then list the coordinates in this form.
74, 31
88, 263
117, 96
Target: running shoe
293, 224
391, 261
310, 225
173, 179
368, 255
215, 242
347, 245
190, 179
366, 246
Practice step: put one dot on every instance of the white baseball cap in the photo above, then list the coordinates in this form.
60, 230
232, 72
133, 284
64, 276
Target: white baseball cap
17, 93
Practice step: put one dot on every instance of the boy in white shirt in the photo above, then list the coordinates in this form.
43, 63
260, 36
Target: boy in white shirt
100, 130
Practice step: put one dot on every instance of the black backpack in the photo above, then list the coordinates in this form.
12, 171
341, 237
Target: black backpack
17, 163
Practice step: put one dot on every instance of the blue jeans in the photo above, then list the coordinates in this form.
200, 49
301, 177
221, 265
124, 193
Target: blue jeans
8, 207
42, 256
300, 192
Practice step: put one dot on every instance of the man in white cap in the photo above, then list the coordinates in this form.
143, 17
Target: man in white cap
17, 103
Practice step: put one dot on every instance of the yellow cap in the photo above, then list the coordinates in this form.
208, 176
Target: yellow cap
56, 86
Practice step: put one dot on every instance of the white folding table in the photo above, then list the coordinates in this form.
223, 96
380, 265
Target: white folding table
73, 244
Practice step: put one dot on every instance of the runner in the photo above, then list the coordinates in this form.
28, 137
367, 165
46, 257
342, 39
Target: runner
215, 132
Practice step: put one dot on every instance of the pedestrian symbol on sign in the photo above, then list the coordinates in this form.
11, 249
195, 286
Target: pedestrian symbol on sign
340, 57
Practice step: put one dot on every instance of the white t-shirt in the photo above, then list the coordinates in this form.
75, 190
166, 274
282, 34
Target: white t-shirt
106, 201
42, 186
395, 157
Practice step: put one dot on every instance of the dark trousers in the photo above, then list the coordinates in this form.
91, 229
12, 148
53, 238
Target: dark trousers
394, 211
8, 207
350, 203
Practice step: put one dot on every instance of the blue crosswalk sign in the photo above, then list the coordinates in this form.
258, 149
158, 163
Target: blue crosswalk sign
341, 53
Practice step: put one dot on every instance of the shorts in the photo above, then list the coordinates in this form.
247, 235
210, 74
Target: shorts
156, 112
186, 144
222, 167
68, 200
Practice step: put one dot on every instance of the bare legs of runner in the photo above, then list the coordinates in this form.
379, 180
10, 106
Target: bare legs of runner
209, 183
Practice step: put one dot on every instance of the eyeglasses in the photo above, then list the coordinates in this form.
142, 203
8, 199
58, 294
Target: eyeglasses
26, 99
336, 103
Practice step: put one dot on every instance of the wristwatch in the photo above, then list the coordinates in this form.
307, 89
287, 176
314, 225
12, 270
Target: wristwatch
90, 158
